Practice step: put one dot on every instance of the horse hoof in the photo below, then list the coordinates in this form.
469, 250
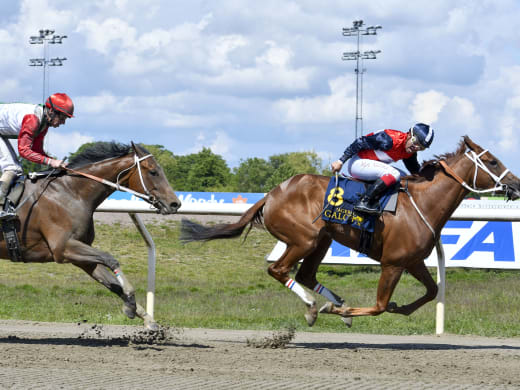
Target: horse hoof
129, 311
327, 308
311, 315
347, 321
151, 325
391, 307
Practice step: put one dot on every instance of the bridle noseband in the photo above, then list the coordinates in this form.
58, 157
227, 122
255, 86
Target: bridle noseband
471, 155
147, 196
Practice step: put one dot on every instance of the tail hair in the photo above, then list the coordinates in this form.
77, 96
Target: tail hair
193, 231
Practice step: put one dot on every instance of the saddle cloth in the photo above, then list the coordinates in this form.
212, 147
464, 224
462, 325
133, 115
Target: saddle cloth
339, 203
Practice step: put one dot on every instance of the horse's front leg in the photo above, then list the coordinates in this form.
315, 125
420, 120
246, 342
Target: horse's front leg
83, 255
421, 273
104, 276
389, 278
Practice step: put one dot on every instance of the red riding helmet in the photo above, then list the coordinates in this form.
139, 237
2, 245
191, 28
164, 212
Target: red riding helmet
62, 103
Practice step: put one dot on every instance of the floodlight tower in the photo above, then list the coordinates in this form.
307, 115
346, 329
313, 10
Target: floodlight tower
46, 37
357, 30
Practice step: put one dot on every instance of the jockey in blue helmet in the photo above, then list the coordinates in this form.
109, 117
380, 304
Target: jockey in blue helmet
369, 158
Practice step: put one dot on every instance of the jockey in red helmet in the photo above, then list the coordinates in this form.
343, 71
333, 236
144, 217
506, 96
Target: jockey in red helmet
28, 123
369, 158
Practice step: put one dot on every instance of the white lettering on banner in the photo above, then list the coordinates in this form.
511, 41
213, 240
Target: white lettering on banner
472, 244
190, 199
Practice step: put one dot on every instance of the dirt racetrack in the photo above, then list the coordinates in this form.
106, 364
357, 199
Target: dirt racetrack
86, 356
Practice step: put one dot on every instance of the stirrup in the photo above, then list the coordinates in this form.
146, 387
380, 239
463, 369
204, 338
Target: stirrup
366, 209
6, 215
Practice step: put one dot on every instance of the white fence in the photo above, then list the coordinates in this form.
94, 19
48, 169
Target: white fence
483, 235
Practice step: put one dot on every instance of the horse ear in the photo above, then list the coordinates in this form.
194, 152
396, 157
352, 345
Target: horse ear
135, 148
472, 145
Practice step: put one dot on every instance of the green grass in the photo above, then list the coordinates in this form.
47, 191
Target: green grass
224, 284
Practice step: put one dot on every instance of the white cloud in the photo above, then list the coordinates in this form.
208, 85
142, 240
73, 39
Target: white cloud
172, 119
219, 55
61, 143
160, 67
101, 36
320, 109
427, 105
103, 103
221, 143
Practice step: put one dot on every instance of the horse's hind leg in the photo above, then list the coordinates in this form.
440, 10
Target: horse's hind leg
83, 255
306, 275
421, 273
280, 271
104, 276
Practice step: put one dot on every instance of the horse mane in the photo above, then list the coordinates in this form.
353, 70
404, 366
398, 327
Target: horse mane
430, 167
99, 151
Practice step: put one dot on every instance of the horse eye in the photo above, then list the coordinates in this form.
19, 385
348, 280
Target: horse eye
494, 163
153, 172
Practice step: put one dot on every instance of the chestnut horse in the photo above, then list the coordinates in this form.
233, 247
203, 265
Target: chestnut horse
56, 213
401, 240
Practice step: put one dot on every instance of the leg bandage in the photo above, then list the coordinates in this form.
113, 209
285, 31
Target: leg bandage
324, 291
299, 290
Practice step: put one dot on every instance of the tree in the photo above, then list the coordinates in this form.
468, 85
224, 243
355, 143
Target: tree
251, 175
203, 171
29, 166
81, 149
290, 164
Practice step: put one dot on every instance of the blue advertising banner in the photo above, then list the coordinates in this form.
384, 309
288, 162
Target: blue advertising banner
471, 244
202, 197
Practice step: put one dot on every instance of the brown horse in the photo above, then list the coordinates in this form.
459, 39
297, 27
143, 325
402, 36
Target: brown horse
56, 213
401, 241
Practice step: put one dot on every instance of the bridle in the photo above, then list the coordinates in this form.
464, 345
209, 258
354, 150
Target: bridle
471, 155
147, 196
478, 164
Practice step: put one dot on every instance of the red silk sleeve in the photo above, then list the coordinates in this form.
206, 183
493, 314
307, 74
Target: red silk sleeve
29, 147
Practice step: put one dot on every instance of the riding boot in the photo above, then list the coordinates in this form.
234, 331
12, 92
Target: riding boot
6, 180
369, 202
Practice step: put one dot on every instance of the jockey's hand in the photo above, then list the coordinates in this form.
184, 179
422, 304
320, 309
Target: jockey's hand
336, 166
58, 163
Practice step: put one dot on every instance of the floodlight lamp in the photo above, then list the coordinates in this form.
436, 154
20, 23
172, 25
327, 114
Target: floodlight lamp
35, 40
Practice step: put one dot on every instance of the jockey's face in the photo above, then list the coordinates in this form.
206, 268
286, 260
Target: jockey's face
412, 144
56, 118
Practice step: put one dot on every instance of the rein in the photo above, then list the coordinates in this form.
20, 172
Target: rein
332, 197
419, 210
147, 196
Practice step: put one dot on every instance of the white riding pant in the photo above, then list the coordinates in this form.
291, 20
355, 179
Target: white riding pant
369, 170
8, 158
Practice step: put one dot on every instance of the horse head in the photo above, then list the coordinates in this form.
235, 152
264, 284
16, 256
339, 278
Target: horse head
149, 178
490, 172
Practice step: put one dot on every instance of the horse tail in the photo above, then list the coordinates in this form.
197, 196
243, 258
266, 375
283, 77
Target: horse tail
192, 231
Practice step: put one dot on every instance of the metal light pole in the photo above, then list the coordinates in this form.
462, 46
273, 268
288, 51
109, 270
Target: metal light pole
357, 30
46, 37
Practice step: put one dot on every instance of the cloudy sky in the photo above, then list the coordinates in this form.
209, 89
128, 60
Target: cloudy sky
254, 79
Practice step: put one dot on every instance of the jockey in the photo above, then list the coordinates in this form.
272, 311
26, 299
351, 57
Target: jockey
29, 123
368, 158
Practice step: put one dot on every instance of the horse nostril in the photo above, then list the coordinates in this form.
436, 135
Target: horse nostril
175, 205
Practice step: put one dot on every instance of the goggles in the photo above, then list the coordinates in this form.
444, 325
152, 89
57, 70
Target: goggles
416, 143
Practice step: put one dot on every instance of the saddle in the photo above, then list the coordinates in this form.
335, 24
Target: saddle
10, 226
339, 202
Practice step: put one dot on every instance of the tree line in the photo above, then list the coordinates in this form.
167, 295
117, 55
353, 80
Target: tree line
207, 171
